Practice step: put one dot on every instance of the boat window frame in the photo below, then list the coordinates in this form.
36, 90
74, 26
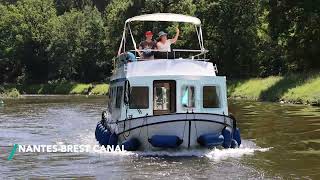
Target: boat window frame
194, 96
218, 95
130, 99
173, 97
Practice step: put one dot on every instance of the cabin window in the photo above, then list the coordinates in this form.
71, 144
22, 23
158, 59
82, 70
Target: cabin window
119, 96
161, 98
211, 97
139, 98
164, 97
188, 97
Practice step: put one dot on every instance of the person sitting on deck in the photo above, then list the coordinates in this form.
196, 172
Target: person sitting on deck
164, 44
147, 46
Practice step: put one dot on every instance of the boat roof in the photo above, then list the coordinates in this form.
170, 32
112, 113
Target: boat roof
169, 17
169, 67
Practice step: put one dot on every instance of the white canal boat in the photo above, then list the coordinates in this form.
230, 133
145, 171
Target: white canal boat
176, 102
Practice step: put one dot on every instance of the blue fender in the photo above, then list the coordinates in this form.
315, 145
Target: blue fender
132, 144
211, 140
234, 144
97, 132
236, 136
226, 132
100, 133
113, 140
165, 141
105, 137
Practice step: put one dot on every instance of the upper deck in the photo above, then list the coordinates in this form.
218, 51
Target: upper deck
164, 67
174, 62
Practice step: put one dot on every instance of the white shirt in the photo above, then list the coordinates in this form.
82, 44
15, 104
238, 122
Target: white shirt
166, 47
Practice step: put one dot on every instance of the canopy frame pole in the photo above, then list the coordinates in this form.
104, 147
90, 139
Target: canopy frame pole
198, 35
201, 37
122, 43
133, 41
125, 39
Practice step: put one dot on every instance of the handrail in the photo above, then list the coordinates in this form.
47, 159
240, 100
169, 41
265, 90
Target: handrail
195, 57
201, 53
174, 50
176, 59
190, 50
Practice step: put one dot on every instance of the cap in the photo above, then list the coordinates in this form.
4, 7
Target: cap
161, 33
148, 33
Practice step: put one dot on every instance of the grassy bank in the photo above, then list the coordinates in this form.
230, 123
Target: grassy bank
55, 88
8, 93
302, 89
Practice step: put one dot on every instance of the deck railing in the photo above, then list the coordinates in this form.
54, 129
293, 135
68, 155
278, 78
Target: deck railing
175, 54
200, 56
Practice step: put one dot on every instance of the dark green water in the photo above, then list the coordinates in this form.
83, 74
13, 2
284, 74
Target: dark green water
280, 142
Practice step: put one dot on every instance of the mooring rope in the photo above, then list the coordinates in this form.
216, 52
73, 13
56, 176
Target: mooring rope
195, 123
143, 122
124, 124
147, 125
184, 127
141, 126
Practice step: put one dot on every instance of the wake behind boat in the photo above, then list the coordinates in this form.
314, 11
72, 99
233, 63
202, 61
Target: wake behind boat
172, 101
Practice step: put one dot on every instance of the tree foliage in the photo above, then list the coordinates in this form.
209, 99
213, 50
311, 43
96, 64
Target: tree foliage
45, 40
39, 45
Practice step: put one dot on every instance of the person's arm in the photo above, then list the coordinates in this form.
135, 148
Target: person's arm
138, 51
174, 40
158, 45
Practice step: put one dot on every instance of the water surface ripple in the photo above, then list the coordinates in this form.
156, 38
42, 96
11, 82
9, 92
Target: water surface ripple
280, 142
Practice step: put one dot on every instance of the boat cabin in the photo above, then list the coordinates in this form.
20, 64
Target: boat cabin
182, 82
165, 87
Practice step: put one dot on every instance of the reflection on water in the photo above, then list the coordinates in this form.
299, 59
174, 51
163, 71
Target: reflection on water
280, 141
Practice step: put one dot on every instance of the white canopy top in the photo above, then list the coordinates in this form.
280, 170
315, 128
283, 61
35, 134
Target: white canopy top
169, 17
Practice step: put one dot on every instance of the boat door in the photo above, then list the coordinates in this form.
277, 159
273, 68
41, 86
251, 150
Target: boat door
164, 97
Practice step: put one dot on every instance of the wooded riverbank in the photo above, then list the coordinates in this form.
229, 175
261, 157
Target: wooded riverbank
298, 89
15, 90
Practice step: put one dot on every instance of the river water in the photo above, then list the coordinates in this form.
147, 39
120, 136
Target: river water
279, 142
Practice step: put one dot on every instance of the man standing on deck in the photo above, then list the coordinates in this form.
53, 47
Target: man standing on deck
147, 46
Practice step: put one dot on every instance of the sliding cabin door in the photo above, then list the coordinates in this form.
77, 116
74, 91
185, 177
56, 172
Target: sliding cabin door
164, 97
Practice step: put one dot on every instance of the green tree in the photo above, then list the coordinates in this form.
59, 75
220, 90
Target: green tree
77, 47
44, 40
34, 27
10, 43
24, 28
295, 26
230, 30
63, 6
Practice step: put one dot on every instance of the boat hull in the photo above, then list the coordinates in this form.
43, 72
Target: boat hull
187, 127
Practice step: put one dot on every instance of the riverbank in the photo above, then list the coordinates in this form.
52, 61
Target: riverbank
298, 89
15, 90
